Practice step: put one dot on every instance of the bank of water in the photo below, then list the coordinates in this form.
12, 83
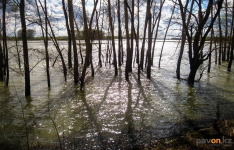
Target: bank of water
110, 113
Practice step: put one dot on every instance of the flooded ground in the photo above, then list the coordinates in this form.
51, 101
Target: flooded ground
110, 113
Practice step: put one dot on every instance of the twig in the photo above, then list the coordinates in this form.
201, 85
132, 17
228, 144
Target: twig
55, 127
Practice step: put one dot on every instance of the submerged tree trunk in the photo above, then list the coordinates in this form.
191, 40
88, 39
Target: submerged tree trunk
220, 41
156, 32
149, 39
159, 63
78, 33
112, 37
127, 68
120, 47
211, 43
88, 43
5, 48
71, 19
53, 37
68, 34
183, 40
138, 33
25, 49
46, 46
232, 47
45, 39
1, 56
196, 41
143, 46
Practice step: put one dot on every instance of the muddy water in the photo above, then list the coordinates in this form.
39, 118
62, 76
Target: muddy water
110, 113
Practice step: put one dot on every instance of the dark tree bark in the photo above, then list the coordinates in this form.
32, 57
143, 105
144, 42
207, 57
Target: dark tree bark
220, 40
183, 40
120, 47
232, 47
99, 39
53, 37
68, 34
5, 48
1, 56
143, 45
45, 39
137, 43
78, 32
225, 52
196, 43
211, 43
148, 16
46, 46
25, 49
71, 19
127, 68
156, 32
88, 38
160, 57
112, 37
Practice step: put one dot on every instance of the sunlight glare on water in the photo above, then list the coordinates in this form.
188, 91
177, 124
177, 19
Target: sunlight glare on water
111, 112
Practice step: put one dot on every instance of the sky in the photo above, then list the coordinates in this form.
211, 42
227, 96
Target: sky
55, 12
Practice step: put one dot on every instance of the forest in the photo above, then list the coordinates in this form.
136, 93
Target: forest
152, 65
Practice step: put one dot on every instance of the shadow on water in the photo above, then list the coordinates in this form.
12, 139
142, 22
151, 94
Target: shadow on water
112, 113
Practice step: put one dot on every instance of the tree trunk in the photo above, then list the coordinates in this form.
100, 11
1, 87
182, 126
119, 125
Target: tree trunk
112, 37
46, 47
78, 33
232, 47
156, 32
183, 40
143, 45
211, 42
226, 34
127, 68
220, 40
1, 56
149, 40
99, 40
53, 37
25, 49
120, 49
71, 19
68, 34
5, 48
159, 63
138, 33
88, 43
196, 41
192, 73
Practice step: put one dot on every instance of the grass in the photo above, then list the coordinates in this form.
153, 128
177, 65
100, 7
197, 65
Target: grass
218, 130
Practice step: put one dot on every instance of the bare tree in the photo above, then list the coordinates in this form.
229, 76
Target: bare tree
68, 34
54, 39
5, 48
112, 36
25, 49
88, 31
232, 47
1, 55
148, 17
45, 39
183, 38
195, 44
165, 36
71, 19
128, 61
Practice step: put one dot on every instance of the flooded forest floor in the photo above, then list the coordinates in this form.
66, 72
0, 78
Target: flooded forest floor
112, 113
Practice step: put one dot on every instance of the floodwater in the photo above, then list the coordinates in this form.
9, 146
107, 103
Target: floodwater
110, 113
